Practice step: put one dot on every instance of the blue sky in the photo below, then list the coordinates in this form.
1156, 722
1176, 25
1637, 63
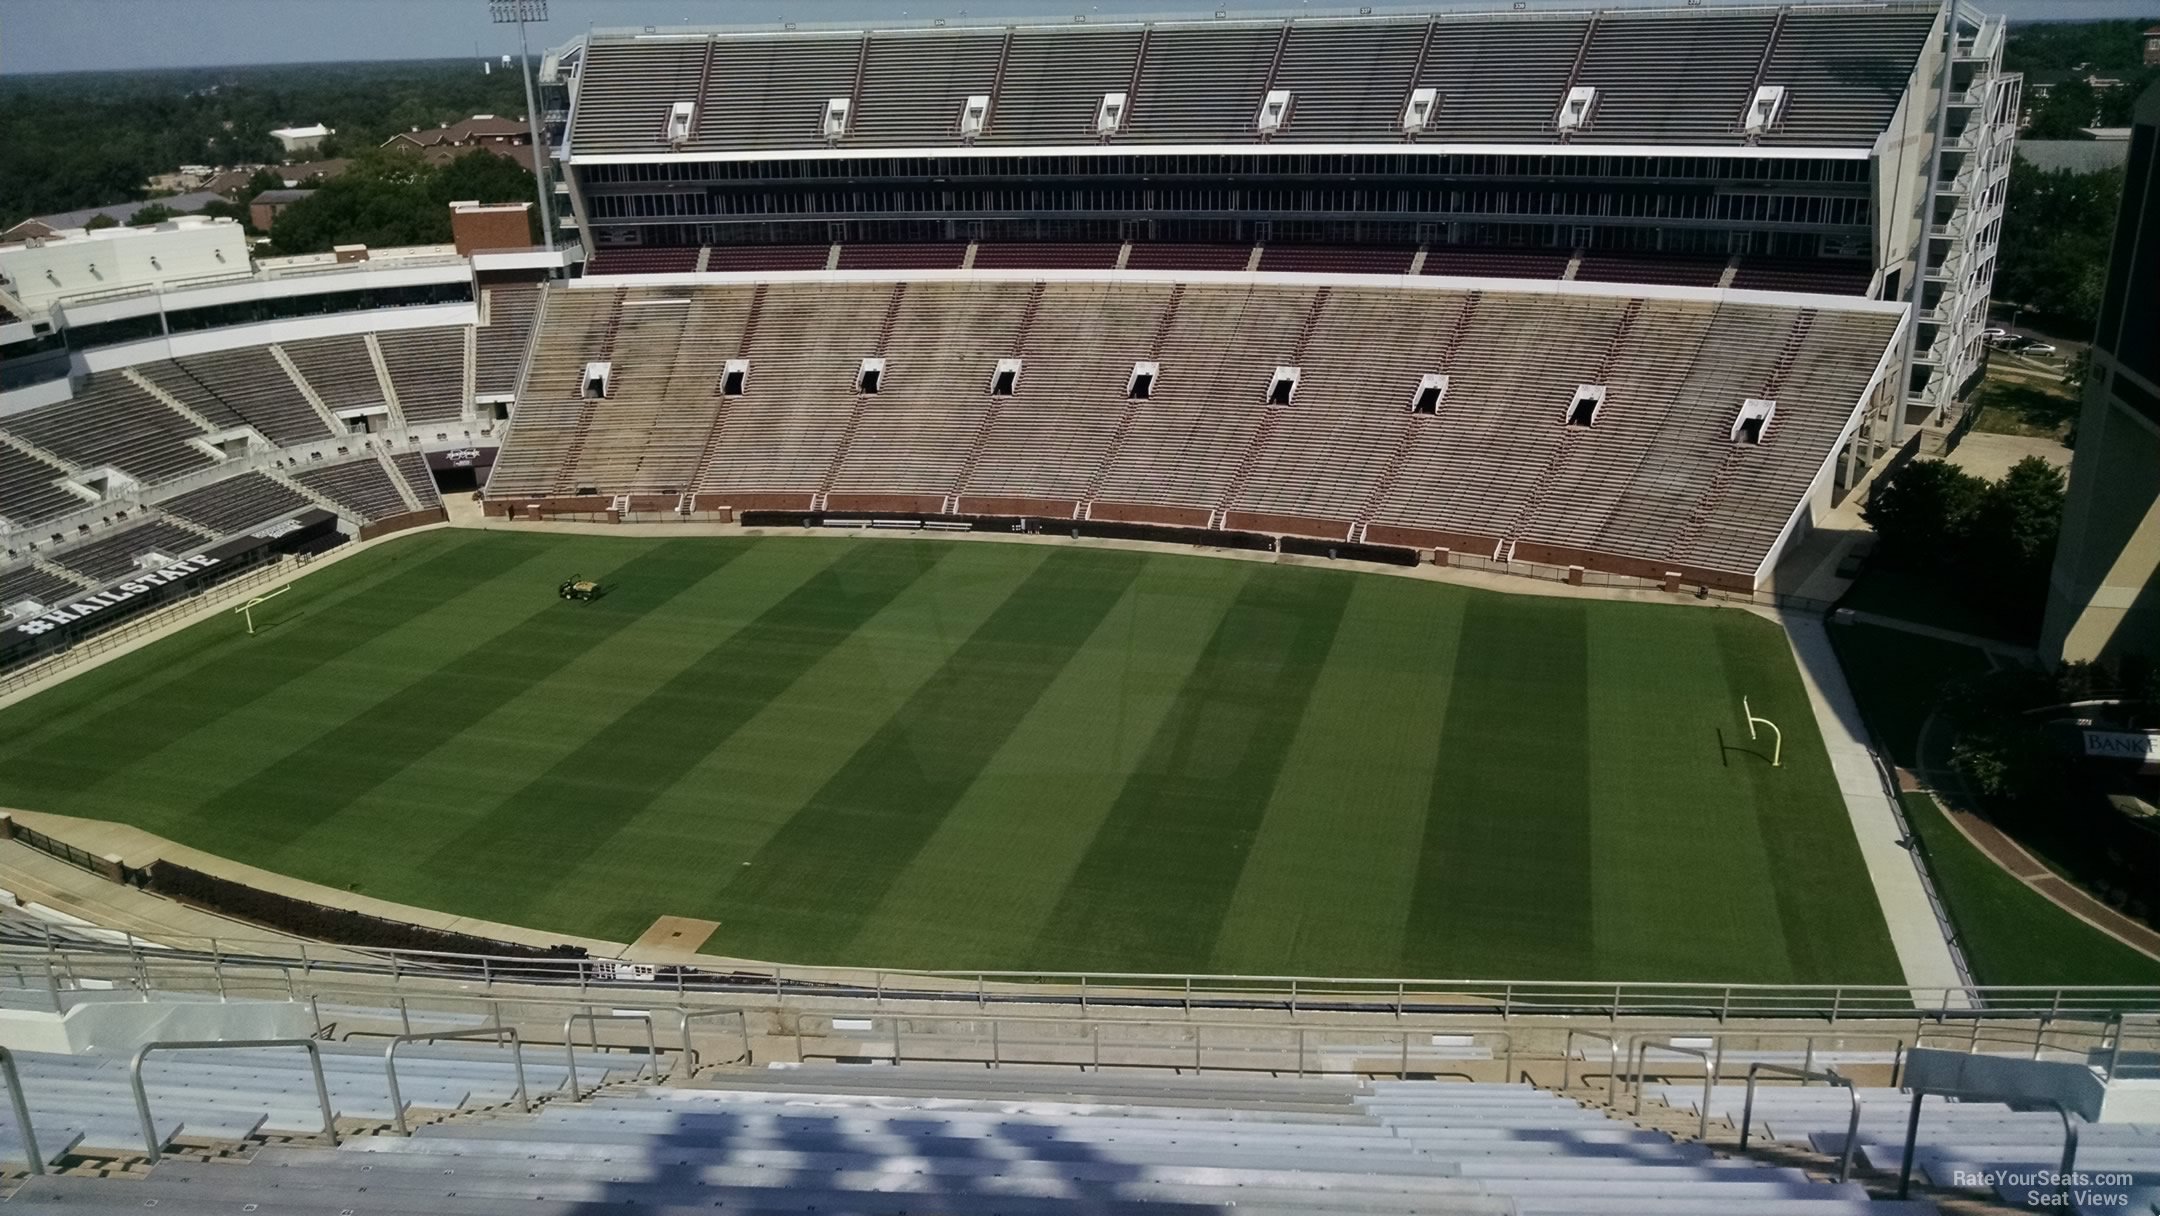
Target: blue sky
73, 35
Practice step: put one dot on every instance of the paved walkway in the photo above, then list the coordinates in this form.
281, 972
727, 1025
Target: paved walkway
1919, 930
1989, 455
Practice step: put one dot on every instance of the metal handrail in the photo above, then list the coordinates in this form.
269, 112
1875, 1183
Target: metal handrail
22, 1111
1709, 1078
1912, 1132
1314, 993
689, 1053
1719, 1038
1852, 1129
142, 1095
593, 1020
397, 1101
1612, 1064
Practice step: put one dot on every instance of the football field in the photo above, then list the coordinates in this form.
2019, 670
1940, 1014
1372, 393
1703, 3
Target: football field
929, 753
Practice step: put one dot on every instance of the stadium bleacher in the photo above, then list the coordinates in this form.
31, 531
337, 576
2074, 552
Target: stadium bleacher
1657, 484
27, 582
244, 387
28, 493
112, 421
427, 369
1972, 1139
112, 556
234, 504
1501, 77
340, 370
359, 486
500, 345
921, 1138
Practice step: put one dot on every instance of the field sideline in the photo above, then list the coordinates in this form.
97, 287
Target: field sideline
932, 754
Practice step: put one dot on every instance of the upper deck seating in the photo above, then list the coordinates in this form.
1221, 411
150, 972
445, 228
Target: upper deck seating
112, 421
499, 346
28, 493
427, 367
244, 387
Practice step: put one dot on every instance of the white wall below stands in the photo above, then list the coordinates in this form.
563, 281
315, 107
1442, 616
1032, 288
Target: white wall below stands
297, 329
118, 1027
18, 400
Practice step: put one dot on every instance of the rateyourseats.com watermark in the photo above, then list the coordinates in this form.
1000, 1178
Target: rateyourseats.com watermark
2081, 1189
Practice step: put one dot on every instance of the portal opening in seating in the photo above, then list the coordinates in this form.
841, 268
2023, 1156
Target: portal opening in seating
733, 377
1283, 387
1431, 391
1753, 420
599, 375
1141, 386
1583, 408
870, 377
1006, 378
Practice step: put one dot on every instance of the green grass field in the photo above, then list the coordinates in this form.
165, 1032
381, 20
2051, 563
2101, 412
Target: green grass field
928, 753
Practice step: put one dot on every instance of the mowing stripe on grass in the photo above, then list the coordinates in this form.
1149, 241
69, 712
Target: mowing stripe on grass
718, 814
595, 790
381, 844
1665, 802
1333, 872
990, 877
246, 670
314, 782
1158, 878
1504, 873
1834, 927
825, 871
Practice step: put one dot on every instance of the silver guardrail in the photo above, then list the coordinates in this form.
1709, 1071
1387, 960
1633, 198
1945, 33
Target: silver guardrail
142, 1095
287, 961
1829, 1075
592, 1022
22, 1111
495, 1033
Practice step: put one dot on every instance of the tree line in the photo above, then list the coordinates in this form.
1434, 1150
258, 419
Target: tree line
87, 139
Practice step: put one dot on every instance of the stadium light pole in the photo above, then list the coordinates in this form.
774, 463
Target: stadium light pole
518, 12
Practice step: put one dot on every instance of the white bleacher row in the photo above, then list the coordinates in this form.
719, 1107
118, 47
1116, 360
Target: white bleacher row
1956, 1139
84, 1105
1657, 480
923, 1139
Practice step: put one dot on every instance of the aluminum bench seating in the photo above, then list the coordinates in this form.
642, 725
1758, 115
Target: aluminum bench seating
31, 583
28, 493
339, 369
413, 467
111, 557
244, 387
112, 421
359, 486
499, 346
235, 504
427, 368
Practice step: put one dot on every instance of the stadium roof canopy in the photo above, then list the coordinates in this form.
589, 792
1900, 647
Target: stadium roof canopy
1821, 77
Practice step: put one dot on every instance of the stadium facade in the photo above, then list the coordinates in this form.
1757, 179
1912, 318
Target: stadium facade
1861, 148
2104, 594
1630, 292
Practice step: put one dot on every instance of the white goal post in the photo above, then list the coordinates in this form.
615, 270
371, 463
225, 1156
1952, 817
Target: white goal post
248, 609
1777, 749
